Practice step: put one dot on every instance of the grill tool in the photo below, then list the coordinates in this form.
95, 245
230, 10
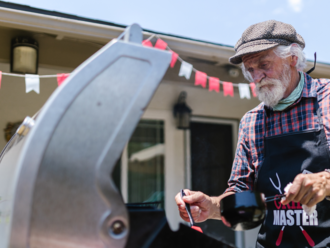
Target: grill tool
192, 222
275, 197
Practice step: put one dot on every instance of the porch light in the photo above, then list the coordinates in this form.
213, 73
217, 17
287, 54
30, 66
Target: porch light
24, 55
182, 112
232, 71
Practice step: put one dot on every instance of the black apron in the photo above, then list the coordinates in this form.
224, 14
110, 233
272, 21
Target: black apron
286, 156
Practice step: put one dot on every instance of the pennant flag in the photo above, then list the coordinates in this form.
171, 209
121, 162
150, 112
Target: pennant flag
32, 82
160, 44
253, 89
0, 78
61, 77
214, 84
244, 91
147, 43
185, 70
200, 78
174, 58
228, 89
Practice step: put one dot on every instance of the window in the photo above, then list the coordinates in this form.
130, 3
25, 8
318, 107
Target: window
139, 174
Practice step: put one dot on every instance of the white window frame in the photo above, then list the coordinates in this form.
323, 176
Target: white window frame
174, 164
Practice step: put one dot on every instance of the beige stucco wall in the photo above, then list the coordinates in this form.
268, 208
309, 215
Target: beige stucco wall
201, 101
15, 104
55, 56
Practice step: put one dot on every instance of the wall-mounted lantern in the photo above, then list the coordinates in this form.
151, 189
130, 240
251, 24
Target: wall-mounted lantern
182, 112
232, 71
24, 55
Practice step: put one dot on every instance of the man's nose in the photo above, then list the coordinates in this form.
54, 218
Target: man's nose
258, 76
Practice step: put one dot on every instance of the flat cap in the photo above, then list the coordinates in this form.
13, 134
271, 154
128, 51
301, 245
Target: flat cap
263, 36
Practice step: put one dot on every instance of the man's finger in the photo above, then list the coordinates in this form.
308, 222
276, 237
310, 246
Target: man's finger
303, 193
184, 214
182, 210
294, 189
185, 218
194, 209
178, 198
305, 198
196, 215
189, 192
179, 201
194, 198
315, 199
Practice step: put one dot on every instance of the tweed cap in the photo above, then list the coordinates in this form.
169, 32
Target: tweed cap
263, 36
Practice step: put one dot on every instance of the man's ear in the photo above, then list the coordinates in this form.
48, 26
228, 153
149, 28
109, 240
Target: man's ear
294, 60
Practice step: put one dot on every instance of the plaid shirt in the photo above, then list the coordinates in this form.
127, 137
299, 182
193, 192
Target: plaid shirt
299, 116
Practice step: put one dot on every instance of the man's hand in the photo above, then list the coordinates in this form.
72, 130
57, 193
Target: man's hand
201, 205
309, 189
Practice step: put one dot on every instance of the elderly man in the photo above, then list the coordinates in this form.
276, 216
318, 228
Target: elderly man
284, 139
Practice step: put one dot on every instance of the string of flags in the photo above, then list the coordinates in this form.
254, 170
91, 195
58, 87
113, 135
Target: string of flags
201, 78
32, 81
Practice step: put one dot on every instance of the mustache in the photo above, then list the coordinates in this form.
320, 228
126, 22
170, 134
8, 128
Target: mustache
267, 82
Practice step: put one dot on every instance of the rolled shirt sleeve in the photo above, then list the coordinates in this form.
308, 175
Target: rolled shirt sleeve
242, 174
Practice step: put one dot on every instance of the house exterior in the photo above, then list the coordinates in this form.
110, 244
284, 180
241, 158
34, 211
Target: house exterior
160, 159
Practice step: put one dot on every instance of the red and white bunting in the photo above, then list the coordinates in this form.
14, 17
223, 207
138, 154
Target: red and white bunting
228, 89
32, 82
160, 44
253, 89
61, 77
200, 78
185, 70
147, 43
244, 91
214, 84
174, 58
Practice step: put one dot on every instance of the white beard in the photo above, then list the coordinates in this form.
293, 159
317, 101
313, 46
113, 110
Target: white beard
271, 96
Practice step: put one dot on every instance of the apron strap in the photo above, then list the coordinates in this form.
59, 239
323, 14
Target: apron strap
318, 111
264, 123
319, 116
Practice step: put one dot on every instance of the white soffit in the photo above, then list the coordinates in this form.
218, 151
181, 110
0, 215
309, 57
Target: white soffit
64, 27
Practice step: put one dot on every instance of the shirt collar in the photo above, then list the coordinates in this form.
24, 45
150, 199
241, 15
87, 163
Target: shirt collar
309, 87
309, 90
293, 97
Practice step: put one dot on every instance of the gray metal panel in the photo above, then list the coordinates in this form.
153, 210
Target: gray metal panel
7, 174
63, 193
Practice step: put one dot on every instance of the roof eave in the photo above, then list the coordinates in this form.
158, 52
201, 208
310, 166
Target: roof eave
65, 27
102, 33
